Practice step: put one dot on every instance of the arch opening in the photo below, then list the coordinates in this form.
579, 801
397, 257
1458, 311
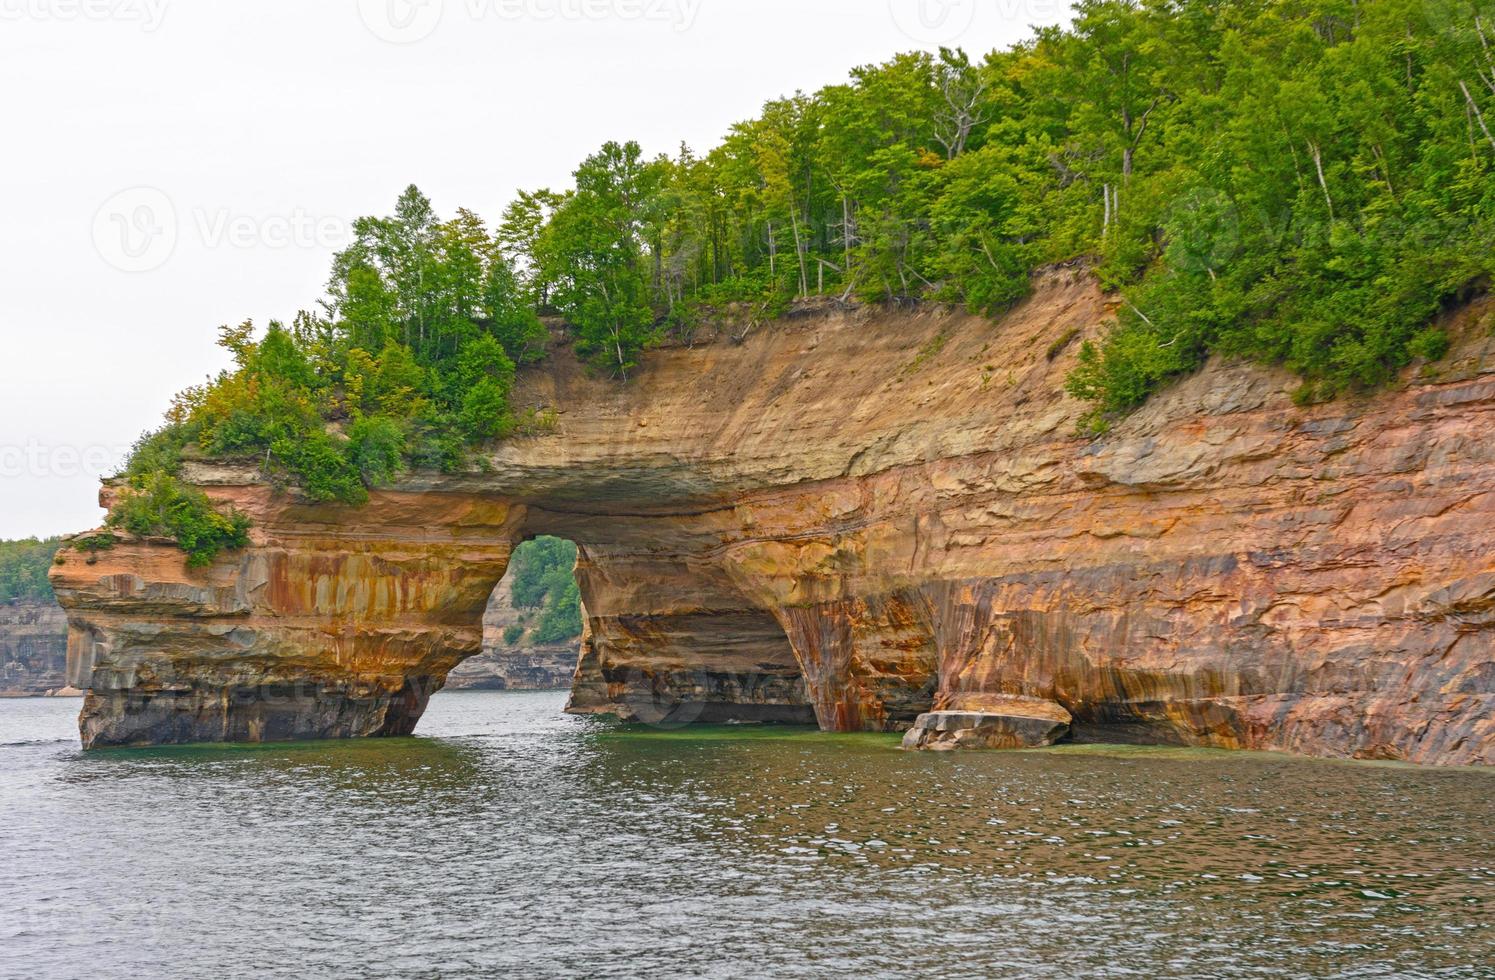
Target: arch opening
532, 625
644, 634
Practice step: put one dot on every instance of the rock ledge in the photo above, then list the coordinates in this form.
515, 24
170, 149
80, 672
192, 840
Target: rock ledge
1004, 723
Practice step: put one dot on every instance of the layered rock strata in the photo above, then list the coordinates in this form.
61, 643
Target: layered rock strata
33, 648
992, 722
864, 515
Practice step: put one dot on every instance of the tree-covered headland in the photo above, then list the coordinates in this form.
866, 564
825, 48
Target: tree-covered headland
23, 569
1303, 182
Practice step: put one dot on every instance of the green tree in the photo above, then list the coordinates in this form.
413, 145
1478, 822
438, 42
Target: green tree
593, 248
542, 579
1306, 183
23, 569
519, 234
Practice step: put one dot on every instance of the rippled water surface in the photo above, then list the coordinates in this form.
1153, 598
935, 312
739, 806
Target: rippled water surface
510, 836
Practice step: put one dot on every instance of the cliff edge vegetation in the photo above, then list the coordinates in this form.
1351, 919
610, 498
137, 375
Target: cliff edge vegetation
1306, 184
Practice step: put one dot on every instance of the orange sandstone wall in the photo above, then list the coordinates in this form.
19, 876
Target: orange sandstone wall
858, 515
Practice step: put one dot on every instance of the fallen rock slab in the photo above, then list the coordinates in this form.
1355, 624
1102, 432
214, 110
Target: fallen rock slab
1016, 723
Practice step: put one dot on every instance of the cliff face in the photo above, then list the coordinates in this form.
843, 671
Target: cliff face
861, 515
33, 648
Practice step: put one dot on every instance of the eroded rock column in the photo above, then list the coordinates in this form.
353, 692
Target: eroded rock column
334, 623
670, 640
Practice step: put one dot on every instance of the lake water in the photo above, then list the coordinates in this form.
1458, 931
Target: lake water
512, 838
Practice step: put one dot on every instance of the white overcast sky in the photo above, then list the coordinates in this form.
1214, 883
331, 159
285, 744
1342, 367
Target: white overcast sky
172, 165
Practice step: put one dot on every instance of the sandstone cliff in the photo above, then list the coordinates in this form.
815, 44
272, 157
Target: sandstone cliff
857, 516
33, 648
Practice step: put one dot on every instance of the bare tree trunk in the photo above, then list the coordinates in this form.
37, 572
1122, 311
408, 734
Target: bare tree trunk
1480, 116
846, 233
1484, 45
1133, 140
1318, 165
1385, 169
799, 250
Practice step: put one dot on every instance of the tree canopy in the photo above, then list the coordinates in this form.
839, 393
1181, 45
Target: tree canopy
543, 581
23, 569
1304, 182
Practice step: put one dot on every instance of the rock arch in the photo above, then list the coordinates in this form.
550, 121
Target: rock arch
865, 514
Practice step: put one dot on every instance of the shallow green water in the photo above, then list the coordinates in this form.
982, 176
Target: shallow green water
511, 837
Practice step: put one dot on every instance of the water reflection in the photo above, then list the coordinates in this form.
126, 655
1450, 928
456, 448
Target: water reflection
511, 836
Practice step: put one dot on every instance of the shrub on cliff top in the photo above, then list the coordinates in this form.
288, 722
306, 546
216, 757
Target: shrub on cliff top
159, 505
414, 359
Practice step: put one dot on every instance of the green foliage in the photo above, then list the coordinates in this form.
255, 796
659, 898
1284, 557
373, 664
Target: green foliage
324, 467
1061, 343
413, 362
542, 578
155, 503
484, 377
159, 451
485, 412
92, 544
593, 251
158, 505
1311, 189
376, 448
23, 568
539, 568
1429, 344
561, 619
1305, 183
513, 634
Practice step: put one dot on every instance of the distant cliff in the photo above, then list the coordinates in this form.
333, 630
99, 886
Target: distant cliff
33, 653
33, 647
521, 666
859, 514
